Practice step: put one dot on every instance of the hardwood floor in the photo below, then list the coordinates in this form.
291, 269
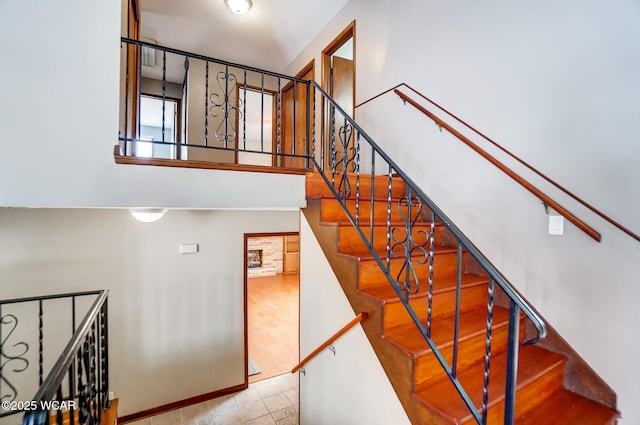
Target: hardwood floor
272, 322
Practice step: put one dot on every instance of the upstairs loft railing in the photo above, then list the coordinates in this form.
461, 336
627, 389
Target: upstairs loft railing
75, 389
548, 201
346, 156
189, 107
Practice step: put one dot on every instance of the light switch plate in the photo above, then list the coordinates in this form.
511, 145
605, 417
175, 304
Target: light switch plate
556, 225
189, 248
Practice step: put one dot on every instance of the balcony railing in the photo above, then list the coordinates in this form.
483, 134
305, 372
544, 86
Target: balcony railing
34, 331
178, 105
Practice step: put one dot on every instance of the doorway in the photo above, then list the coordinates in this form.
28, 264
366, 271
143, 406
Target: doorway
272, 304
339, 81
294, 118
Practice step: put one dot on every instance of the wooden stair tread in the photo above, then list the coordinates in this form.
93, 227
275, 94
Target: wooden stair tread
410, 339
568, 408
316, 187
386, 294
363, 253
534, 362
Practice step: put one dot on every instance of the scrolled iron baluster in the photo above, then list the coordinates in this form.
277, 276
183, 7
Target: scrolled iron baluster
332, 145
487, 354
344, 159
410, 209
8, 319
432, 232
226, 130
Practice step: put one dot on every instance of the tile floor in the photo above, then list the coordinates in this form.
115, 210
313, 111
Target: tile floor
273, 401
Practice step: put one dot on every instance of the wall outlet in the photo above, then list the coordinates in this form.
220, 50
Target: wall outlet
556, 225
112, 395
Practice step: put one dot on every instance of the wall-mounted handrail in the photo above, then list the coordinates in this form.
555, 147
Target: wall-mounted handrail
513, 156
359, 318
524, 183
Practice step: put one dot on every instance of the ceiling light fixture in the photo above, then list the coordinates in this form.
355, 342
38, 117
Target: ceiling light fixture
239, 7
147, 215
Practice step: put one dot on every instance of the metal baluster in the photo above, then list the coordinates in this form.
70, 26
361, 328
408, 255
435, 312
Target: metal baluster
164, 92
432, 230
512, 363
139, 94
206, 103
185, 139
487, 354
388, 254
313, 133
307, 120
244, 112
407, 244
105, 308
262, 114
226, 106
278, 136
333, 146
59, 411
40, 343
456, 323
358, 180
373, 192
323, 136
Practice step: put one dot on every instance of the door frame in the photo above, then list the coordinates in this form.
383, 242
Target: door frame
346, 34
327, 52
246, 297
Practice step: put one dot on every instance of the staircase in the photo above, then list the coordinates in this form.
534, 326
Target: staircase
425, 391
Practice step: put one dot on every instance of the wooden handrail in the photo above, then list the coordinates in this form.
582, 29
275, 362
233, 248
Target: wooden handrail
515, 157
535, 191
359, 318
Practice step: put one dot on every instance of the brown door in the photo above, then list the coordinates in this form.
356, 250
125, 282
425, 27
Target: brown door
341, 90
295, 128
338, 79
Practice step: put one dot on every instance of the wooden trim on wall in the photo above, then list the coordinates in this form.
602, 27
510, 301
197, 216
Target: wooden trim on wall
182, 403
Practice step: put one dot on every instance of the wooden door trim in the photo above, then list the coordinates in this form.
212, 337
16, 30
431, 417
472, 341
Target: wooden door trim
346, 34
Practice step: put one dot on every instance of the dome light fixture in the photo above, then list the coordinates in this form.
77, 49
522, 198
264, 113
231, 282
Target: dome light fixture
147, 215
239, 7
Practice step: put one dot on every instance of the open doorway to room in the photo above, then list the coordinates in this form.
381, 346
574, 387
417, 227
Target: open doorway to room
272, 303
339, 78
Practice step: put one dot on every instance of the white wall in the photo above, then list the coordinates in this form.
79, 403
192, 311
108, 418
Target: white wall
349, 387
59, 121
176, 322
557, 84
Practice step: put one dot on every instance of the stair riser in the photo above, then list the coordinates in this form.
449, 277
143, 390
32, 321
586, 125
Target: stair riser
444, 265
534, 393
444, 305
350, 241
470, 352
332, 212
317, 188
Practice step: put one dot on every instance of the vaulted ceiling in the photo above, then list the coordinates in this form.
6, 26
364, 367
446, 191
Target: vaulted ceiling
270, 36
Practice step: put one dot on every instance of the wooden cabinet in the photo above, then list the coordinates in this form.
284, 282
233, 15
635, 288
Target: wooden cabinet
291, 254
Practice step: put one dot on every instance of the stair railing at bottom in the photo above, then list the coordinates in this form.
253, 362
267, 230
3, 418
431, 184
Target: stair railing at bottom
346, 153
359, 318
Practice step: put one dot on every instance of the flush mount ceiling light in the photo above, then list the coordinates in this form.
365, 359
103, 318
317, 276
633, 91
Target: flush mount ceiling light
239, 7
147, 215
